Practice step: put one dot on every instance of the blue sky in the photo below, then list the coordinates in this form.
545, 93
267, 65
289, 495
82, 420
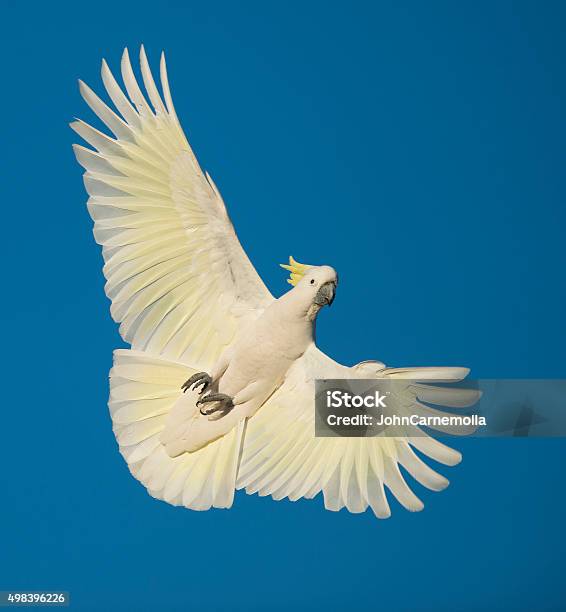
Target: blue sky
419, 148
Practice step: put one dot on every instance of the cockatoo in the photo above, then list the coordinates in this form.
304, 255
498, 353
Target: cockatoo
217, 390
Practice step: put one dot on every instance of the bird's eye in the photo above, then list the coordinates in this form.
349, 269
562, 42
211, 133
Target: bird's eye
312, 281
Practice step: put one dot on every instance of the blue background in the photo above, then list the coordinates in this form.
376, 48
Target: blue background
417, 147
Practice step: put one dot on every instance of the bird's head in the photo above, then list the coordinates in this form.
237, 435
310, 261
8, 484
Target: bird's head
317, 284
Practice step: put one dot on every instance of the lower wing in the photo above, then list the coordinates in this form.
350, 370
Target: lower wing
283, 458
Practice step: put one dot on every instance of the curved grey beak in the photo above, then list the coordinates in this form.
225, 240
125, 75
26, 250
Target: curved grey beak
325, 295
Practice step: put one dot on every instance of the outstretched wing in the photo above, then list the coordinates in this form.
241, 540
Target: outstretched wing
179, 281
283, 458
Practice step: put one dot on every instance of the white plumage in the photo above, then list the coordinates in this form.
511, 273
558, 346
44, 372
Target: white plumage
188, 300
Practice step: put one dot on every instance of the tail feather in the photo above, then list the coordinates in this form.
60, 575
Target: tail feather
143, 391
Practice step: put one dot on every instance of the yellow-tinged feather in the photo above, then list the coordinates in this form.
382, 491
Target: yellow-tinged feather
297, 270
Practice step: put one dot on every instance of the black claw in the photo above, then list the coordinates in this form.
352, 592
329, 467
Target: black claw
225, 403
215, 397
196, 380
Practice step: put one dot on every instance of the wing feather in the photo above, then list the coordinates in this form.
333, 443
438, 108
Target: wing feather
179, 281
281, 456
117, 96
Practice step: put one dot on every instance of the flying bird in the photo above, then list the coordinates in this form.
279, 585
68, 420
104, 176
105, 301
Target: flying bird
217, 391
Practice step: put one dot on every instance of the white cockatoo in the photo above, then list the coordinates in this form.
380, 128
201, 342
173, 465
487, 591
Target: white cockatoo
217, 391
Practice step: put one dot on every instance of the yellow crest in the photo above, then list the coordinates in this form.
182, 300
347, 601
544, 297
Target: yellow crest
297, 270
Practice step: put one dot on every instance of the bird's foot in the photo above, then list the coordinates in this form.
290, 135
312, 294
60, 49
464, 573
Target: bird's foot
224, 403
200, 379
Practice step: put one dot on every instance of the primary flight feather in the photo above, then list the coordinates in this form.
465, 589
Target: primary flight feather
217, 391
